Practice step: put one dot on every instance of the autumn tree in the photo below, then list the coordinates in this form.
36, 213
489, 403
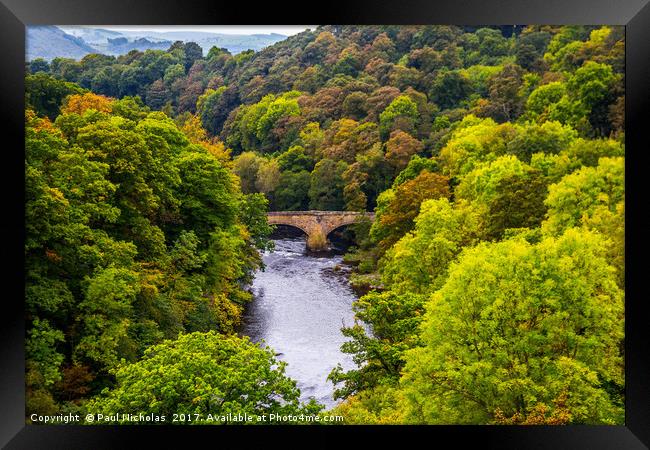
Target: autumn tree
397, 209
400, 148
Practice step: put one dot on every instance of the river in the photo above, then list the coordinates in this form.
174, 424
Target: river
300, 304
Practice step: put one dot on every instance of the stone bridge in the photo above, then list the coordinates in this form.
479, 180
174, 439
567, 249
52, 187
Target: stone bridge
317, 224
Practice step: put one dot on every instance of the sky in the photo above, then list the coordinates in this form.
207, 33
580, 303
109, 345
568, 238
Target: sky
287, 30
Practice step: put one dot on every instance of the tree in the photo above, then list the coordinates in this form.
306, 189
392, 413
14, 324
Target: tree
396, 210
591, 85
157, 95
530, 50
346, 139
540, 100
106, 312
256, 122
268, 176
505, 102
292, 193
592, 198
472, 142
519, 203
354, 105
246, 166
79, 103
419, 261
395, 318
480, 185
449, 88
192, 52
588, 152
295, 159
549, 137
208, 194
203, 373
326, 187
173, 73
400, 148
517, 326
253, 215
402, 113
582, 196
39, 65
213, 107
45, 94
415, 166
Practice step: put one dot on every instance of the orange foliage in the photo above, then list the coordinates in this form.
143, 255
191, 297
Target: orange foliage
80, 103
40, 123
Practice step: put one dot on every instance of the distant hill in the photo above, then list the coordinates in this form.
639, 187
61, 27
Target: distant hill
235, 43
92, 35
48, 42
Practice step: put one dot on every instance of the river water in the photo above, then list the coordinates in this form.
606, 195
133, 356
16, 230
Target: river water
300, 304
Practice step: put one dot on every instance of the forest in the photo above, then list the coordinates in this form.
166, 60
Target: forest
493, 271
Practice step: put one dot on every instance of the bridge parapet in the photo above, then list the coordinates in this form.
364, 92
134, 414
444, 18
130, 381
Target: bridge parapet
318, 213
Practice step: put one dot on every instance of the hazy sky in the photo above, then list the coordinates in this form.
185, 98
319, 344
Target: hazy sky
287, 30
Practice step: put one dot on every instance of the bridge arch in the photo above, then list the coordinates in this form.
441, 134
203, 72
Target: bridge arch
336, 227
294, 226
316, 224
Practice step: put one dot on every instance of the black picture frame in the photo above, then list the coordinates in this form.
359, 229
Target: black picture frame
16, 14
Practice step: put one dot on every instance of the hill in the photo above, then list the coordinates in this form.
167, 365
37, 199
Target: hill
48, 42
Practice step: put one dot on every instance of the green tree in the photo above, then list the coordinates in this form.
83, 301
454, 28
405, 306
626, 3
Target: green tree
415, 166
517, 327
505, 101
292, 193
295, 159
418, 262
401, 113
549, 137
326, 187
45, 94
519, 203
253, 214
592, 198
203, 373
192, 52
395, 318
246, 166
207, 107
449, 88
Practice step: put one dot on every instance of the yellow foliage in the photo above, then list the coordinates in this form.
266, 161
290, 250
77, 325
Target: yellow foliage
228, 313
196, 134
540, 414
194, 131
219, 151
